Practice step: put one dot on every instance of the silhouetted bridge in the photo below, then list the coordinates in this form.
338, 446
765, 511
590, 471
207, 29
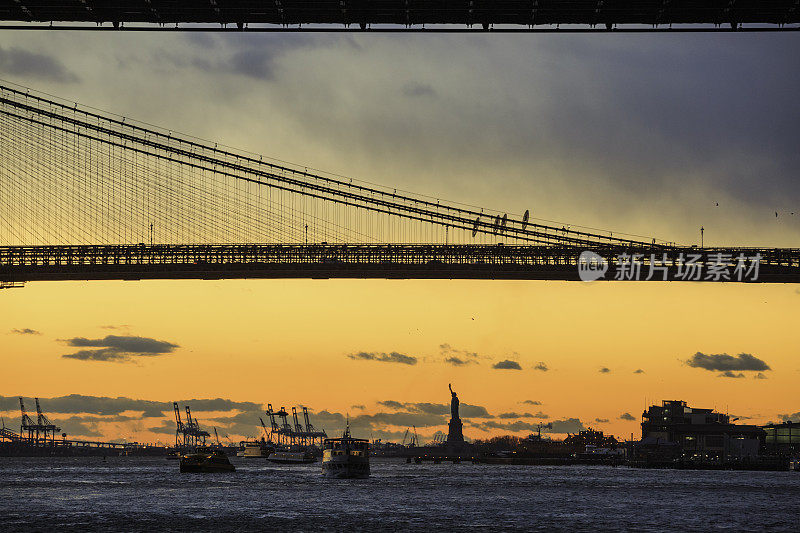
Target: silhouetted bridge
405, 15
135, 262
87, 195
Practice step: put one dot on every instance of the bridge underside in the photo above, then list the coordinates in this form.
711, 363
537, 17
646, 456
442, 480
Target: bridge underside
316, 261
361, 14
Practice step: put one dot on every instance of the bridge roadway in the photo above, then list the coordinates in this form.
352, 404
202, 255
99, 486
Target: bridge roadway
399, 14
19, 264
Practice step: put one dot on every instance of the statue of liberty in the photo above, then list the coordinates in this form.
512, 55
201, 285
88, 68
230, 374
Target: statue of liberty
455, 437
453, 403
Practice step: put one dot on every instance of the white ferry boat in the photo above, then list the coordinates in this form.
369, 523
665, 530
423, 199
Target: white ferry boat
345, 457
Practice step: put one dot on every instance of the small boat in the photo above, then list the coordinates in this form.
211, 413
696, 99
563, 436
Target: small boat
290, 457
254, 449
214, 461
345, 457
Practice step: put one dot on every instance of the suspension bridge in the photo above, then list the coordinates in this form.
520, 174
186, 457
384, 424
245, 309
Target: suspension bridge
404, 15
88, 195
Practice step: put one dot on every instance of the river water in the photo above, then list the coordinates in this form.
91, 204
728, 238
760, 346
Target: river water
149, 494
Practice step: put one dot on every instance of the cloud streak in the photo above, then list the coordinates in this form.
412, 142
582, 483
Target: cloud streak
391, 357
117, 349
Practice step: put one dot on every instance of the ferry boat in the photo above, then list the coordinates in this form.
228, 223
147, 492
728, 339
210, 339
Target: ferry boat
210, 461
345, 457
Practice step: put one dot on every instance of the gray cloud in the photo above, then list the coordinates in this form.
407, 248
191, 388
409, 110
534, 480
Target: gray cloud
417, 90
794, 417
627, 416
724, 362
523, 415
19, 62
392, 357
760, 375
115, 348
531, 402
601, 420
638, 371
455, 361
541, 366
26, 331
604, 370
107, 406
729, 374
507, 365
568, 425
465, 410
358, 406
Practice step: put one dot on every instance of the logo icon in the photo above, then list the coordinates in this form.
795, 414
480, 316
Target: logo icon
591, 266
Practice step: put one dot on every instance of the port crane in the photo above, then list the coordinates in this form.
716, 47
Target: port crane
44, 423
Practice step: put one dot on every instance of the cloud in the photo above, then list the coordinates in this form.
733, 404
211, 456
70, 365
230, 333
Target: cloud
118, 349
392, 357
601, 420
358, 406
458, 357
568, 425
19, 62
108, 406
523, 415
760, 375
794, 417
507, 365
26, 331
541, 366
627, 416
638, 371
604, 370
455, 361
465, 410
531, 402
724, 362
417, 90
729, 374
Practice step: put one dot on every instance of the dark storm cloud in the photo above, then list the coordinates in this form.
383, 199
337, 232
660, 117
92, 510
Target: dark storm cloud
531, 402
729, 374
507, 365
19, 62
724, 362
26, 331
253, 56
115, 348
392, 357
627, 416
541, 366
523, 415
417, 90
604, 370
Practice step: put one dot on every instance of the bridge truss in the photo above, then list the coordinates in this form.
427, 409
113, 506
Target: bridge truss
405, 15
85, 194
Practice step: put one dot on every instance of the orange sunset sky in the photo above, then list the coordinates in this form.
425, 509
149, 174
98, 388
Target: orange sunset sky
654, 135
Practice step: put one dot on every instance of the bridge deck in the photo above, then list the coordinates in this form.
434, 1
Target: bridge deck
220, 261
405, 13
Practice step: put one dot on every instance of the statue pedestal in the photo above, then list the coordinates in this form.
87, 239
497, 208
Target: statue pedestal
454, 434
